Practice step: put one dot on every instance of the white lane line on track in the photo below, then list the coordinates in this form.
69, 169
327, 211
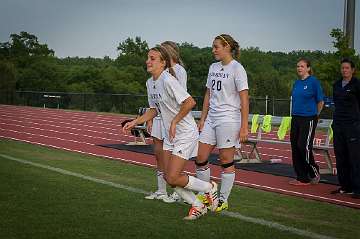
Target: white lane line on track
252, 185
46, 136
50, 119
61, 113
130, 137
106, 139
58, 132
93, 131
62, 127
258, 221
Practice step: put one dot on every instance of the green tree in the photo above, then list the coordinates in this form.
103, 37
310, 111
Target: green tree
341, 43
131, 47
7, 76
24, 44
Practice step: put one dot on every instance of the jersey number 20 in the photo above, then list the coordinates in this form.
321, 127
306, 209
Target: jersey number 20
217, 83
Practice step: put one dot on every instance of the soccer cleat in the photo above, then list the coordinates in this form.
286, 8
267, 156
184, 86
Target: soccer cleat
315, 180
156, 195
222, 206
212, 197
196, 212
174, 197
298, 183
202, 198
341, 191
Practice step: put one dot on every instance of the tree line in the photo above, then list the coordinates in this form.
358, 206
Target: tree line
26, 64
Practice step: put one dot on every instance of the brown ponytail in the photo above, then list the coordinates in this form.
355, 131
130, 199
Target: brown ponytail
173, 51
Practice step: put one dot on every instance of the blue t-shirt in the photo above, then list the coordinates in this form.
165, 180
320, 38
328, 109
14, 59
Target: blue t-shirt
306, 94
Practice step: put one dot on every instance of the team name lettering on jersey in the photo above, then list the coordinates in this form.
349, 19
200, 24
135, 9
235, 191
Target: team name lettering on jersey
219, 75
156, 96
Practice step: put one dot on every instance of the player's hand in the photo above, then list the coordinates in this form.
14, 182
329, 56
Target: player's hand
128, 126
149, 125
200, 125
243, 135
172, 131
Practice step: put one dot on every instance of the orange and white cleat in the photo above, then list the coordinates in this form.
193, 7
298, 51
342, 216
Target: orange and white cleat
212, 197
196, 212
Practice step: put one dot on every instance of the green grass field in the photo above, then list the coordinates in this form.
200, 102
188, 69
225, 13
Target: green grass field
37, 202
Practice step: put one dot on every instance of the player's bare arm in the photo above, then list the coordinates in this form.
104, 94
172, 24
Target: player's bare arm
185, 108
149, 115
205, 109
244, 131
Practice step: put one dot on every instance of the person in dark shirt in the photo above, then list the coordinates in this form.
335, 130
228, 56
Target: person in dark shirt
307, 103
346, 127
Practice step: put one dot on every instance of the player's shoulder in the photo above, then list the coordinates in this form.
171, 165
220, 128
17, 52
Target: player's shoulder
178, 67
167, 78
216, 65
237, 65
148, 81
179, 70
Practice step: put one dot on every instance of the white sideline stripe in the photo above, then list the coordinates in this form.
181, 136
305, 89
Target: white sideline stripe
246, 184
78, 175
276, 225
262, 222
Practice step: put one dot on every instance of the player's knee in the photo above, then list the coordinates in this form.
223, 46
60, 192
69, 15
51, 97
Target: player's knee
172, 179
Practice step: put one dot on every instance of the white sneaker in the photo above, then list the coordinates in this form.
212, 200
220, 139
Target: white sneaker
174, 197
156, 195
196, 212
212, 197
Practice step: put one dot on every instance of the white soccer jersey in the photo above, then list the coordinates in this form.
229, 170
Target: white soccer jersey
166, 95
225, 83
181, 75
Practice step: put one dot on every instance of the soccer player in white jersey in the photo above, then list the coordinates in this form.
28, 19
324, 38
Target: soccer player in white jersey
156, 128
170, 100
224, 117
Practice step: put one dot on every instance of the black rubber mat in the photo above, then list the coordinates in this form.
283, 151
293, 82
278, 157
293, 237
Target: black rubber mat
278, 169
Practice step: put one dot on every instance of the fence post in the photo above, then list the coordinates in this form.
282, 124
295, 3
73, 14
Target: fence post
266, 104
273, 105
84, 101
290, 105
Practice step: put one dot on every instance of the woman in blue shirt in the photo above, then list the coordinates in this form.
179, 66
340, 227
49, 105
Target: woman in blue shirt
307, 103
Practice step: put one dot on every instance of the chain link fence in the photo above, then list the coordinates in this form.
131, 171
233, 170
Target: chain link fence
129, 104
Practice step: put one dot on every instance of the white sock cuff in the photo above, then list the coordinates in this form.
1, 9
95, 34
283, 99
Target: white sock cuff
159, 173
198, 185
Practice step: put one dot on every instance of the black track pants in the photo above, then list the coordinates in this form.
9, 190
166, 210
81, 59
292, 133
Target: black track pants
347, 152
302, 136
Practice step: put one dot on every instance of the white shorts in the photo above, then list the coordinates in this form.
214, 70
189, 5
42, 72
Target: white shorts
157, 130
224, 135
185, 150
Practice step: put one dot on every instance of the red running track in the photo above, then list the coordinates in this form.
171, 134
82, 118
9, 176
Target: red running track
83, 131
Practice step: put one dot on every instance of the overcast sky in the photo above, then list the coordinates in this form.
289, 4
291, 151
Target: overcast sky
95, 27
